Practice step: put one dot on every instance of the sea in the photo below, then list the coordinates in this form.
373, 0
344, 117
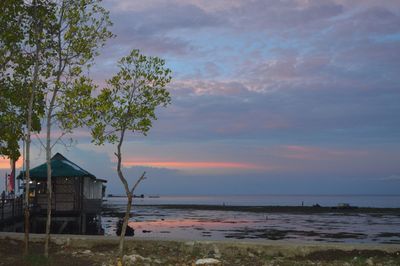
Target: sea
151, 219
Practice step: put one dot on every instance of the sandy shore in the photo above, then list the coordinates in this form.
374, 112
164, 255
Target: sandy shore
101, 250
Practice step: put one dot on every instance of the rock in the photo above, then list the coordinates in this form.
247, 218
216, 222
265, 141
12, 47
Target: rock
87, 251
129, 230
217, 253
251, 255
59, 241
132, 259
13, 242
369, 262
207, 261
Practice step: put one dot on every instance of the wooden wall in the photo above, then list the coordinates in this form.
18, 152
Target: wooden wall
73, 194
65, 195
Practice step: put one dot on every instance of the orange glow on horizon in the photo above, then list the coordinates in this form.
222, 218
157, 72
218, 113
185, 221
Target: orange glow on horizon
5, 163
193, 165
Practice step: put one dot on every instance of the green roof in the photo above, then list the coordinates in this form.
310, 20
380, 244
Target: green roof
60, 167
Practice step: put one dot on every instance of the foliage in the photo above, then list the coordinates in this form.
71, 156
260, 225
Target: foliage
130, 100
81, 30
24, 28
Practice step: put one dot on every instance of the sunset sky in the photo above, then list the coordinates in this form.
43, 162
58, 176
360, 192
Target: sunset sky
269, 96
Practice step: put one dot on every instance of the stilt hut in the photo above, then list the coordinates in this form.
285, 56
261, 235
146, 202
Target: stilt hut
76, 200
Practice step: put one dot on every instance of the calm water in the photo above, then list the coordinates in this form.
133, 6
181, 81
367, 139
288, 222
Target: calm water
190, 224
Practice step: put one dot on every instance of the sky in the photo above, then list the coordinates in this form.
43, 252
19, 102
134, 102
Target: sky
268, 97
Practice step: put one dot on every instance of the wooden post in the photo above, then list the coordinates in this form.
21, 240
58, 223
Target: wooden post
13, 207
83, 223
2, 209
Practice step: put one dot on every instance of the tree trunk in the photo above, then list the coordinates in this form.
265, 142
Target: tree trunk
125, 224
129, 193
49, 186
27, 180
28, 133
48, 139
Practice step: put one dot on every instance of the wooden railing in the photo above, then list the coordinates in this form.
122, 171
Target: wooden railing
10, 209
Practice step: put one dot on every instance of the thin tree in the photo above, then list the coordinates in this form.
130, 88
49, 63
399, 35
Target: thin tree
128, 105
81, 29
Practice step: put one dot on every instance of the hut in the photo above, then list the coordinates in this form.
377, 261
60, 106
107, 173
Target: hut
77, 197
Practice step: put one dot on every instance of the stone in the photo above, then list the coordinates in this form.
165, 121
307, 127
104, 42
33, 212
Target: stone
132, 259
190, 243
217, 253
87, 251
59, 241
207, 261
369, 262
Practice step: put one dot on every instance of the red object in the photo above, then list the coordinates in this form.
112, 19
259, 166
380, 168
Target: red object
11, 181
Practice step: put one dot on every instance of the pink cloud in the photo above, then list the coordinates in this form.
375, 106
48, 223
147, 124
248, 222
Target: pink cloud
193, 165
316, 153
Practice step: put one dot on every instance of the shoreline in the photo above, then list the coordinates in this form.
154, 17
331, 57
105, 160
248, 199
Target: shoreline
266, 209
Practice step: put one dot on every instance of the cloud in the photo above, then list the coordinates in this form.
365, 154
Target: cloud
390, 178
187, 165
304, 89
5, 163
275, 16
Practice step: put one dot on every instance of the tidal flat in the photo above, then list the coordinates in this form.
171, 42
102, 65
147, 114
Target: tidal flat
260, 223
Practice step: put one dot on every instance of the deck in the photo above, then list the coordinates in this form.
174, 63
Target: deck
12, 216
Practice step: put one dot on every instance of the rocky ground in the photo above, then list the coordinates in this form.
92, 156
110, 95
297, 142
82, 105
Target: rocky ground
98, 251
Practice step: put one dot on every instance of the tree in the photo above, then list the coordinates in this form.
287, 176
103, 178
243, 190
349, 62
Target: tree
45, 46
80, 30
25, 26
128, 104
